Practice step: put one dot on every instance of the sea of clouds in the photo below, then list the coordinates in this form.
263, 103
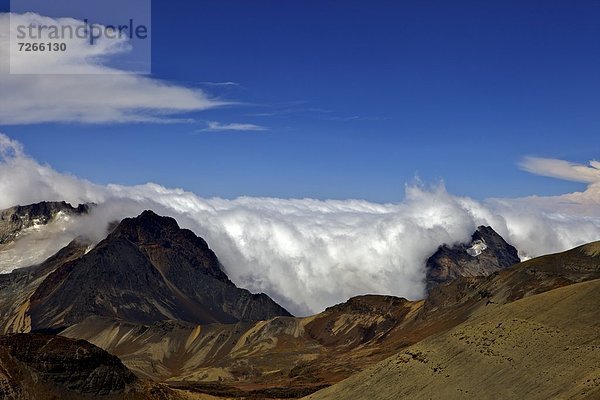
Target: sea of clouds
306, 254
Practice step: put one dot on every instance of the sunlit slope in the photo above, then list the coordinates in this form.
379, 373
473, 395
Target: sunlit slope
540, 347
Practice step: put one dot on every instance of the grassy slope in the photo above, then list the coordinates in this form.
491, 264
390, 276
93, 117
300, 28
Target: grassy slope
540, 347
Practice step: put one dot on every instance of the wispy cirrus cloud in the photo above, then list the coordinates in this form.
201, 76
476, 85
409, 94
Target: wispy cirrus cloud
288, 109
227, 83
214, 126
353, 118
103, 95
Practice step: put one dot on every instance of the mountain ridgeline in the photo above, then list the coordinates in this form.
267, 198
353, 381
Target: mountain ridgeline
147, 270
156, 296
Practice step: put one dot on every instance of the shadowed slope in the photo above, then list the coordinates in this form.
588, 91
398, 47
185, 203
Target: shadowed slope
34, 366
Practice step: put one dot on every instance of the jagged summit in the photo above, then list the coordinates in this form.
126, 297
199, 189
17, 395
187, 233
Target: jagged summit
15, 219
487, 253
165, 243
147, 226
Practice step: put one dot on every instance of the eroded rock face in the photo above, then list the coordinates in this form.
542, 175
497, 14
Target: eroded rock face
15, 219
492, 253
75, 365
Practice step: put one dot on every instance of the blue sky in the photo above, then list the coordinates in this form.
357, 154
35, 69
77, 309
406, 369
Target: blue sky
356, 98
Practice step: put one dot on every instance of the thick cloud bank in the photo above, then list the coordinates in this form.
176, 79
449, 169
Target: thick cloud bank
307, 254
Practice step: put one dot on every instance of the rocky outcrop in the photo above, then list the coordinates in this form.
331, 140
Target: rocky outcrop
34, 367
74, 364
359, 320
16, 219
487, 253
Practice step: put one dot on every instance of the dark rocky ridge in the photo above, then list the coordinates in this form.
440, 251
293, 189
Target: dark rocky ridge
450, 263
147, 270
13, 220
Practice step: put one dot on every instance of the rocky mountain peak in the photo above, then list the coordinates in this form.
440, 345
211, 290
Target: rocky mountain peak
147, 227
15, 219
146, 271
167, 245
487, 253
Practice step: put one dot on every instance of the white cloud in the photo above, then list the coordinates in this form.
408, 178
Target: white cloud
307, 254
584, 204
562, 169
104, 95
214, 126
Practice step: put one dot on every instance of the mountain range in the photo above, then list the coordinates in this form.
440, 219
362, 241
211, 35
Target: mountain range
146, 270
157, 297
